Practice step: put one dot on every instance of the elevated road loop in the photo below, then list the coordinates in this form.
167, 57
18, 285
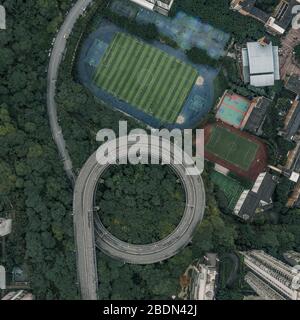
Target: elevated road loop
88, 232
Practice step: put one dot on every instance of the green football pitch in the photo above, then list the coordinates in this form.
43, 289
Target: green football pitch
232, 147
145, 77
231, 188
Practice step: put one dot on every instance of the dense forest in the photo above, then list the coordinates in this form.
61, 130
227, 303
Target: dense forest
36, 193
297, 53
33, 187
132, 197
266, 5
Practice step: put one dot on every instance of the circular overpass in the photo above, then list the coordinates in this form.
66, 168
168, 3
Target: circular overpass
84, 198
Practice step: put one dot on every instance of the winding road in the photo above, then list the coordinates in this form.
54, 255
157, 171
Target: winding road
57, 53
89, 289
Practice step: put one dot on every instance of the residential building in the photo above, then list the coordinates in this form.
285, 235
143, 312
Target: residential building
258, 199
204, 279
292, 122
291, 132
256, 116
276, 22
248, 8
293, 84
5, 227
294, 198
161, 6
260, 64
18, 295
2, 18
292, 257
271, 278
293, 176
288, 173
264, 291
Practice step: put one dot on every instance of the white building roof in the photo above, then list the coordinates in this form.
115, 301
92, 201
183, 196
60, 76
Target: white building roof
241, 201
5, 227
276, 63
272, 24
294, 177
245, 57
2, 18
261, 58
2, 278
258, 182
246, 70
144, 3
260, 64
262, 80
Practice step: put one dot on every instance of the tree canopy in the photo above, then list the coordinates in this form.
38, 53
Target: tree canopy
297, 53
140, 204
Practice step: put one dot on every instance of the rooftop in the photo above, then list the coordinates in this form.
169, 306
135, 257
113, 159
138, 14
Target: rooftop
260, 64
258, 198
257, 116
292, 257
2, 278
203, 286
18, 295
166, 1
157, 5
261, 58
293, 84
276, 22
294, 123
144, 3
284, 13
5, 227
249, 6
2, 18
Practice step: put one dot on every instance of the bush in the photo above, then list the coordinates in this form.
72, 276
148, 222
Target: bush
200, 56
218, 14
144, 31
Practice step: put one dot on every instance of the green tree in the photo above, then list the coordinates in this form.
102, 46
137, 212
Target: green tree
297, 53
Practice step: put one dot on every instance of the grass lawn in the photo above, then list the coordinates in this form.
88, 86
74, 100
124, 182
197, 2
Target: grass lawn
230, 187
145, 77
232, 147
